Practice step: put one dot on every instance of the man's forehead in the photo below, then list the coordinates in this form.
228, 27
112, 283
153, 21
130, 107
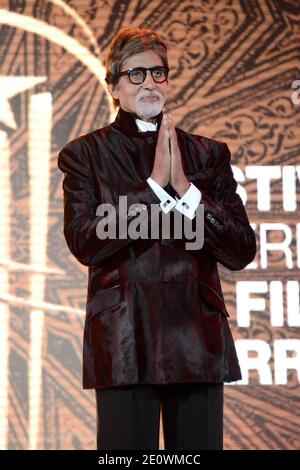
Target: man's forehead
142, 59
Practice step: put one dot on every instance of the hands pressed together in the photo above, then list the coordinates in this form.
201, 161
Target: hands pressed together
167, 166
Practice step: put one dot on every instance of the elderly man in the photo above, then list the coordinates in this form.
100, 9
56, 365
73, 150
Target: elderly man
156, 330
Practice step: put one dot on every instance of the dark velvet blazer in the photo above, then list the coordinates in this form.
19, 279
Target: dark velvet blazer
155, 311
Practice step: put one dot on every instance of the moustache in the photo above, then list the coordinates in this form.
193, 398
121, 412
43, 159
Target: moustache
151, 96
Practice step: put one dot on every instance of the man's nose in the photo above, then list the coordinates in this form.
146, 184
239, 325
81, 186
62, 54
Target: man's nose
149, 82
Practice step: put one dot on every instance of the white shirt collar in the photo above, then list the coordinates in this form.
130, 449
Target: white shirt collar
146, 126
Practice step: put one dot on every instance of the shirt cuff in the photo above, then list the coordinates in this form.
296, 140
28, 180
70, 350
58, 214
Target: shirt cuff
189, 202
167, 202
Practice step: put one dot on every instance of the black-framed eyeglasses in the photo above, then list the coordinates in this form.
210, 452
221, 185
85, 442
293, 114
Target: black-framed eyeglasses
138, 75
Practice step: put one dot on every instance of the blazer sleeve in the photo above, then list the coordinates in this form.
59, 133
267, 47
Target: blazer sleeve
228, 234
80, 206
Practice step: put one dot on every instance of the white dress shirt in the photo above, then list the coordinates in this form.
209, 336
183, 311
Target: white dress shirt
188, 203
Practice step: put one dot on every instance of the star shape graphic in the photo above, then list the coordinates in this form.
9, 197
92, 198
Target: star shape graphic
9, 87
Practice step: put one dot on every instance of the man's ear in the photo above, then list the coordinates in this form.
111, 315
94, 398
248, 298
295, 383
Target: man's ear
113, 90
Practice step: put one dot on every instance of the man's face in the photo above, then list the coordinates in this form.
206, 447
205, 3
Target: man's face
147, 99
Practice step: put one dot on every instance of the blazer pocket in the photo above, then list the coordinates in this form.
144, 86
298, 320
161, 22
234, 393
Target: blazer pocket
213, 298
104, 300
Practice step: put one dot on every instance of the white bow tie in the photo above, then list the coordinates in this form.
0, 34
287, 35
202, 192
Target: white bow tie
145, 126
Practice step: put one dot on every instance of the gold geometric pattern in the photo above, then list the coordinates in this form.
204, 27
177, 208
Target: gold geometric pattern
232, 65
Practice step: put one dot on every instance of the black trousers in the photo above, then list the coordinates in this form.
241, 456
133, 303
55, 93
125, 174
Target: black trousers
128, 417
